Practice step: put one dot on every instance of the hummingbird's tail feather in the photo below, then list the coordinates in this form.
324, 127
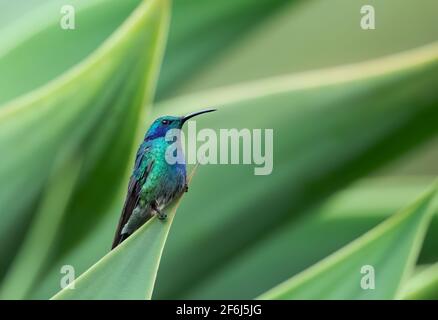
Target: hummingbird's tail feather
131, 203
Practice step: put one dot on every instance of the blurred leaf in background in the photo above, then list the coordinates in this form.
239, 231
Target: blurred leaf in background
94, 108
387, 253
423, 285
202, 30
304, 35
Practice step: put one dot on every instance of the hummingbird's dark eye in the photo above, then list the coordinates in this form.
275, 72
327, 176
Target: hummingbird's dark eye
165, 122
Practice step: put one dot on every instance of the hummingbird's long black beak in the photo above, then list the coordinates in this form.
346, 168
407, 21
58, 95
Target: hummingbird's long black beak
194, 114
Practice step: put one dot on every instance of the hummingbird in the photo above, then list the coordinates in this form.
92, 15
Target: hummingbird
154, 182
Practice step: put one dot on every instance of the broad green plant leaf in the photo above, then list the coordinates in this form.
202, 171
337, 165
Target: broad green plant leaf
201, 30
294, 38
388, 252
129, 271
36, 28
43, 231
423, 285
95, 108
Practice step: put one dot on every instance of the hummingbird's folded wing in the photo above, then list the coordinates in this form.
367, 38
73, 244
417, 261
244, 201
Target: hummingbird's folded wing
143, 166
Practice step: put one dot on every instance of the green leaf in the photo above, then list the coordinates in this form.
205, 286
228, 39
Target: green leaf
36, 28
203, 29
391, 249
423, 285
43, 231
293, 40
95, 108
129, 271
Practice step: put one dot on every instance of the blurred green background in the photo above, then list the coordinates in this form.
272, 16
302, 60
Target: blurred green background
355, 140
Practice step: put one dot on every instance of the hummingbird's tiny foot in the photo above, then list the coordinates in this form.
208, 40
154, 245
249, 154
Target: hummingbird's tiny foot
160, 215
186, 188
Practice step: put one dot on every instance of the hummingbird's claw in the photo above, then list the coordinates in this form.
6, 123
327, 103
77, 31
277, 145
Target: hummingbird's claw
186, 188
160, 215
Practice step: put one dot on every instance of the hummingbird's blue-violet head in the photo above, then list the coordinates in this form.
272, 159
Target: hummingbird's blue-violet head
163, 124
